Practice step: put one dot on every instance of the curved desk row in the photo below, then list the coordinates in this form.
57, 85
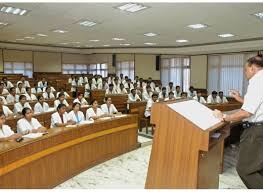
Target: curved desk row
52, 159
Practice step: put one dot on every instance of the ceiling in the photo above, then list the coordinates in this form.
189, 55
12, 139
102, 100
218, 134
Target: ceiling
168, 20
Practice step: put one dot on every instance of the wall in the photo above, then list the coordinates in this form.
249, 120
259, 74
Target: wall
1, 61
145, 66
47, 62
199, 71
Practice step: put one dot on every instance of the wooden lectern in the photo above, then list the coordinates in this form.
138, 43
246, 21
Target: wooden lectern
183, 155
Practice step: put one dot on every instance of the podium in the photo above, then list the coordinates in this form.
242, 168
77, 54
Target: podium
184, 156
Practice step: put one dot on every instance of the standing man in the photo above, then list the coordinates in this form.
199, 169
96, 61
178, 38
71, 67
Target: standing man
250, 162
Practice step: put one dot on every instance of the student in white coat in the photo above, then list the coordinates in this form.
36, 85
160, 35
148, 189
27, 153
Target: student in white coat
213, 98
62, 91
6, 133
171, 96
199, 97
7, 112
221, 98
184, 95
7, 84
12, 97
60, 118
111, 90
121, 90
163, 94
48, 94
147, 94
24, 82
89, 87
29, 95
43, 83
94, 112
3, 90
108, 107
177, 92
21, 105
41, 106
20, 89
191, 93
150, 102
76, 115
80, 99
4, 100
61, 100
170, 87
28, 124
133, 96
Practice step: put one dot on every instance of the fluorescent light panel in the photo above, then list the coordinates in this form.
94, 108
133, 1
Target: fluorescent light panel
94, 40
149, 43
87, 23
59, 31
20, 39
106, 45
29, 37
3, 23
41, 35
181, 41
125, 44
150, 34
118, 39
132, 7
197, 26
259, 15
13, 10
226, 35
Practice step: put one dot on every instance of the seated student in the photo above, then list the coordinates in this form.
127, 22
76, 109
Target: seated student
108, 107
6, 133
12, 97
213, 98
7, 112
152, 84
116, 83
184, 95
177, 92
80, 99
121, 90
61, 90
60, 118
29, 95
104, 85
3, 90
53, 90
199, 97
163, 95
7, 84
61, 100
191, 92
76, 115
43, 83
158, 89
36, 89
4, 100
221, 98
170, 96
147, 94
71, 78
89, 87
41, 106
24, 82
170, 87
82, 79
129, 85
20, 89
150, 102
94, 112
111, 90
48, 94
74, 84
22, 103
28, 124
148, 83
133, 96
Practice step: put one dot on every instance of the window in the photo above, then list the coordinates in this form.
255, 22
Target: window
176, 70
18, 68
226, 72
99, 69
126, 68
74, 68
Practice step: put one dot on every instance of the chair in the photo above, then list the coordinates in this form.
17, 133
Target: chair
143, 120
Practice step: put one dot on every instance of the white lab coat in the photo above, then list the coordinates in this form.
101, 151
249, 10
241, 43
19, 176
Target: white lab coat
18, 107
201, 99
12, 99
146, 96
111, 110
4, 92
20, 91
65, 93
31, 97
42, 84
133, 98
90, 113
223, 100
57, 102
52, 89
161, 95
55, 118
48, 96
149, 104
4, 100
35, 91
111, 92
8, 85
7, 111
38, 108
6, 131
82, 102
25, 84
72, 116
23, 125
211, 100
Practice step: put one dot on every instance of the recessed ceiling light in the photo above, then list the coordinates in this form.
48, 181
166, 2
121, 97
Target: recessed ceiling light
197, 26
125, 44
20, 39
149, 43
259, 15
13, 10
59, 31
226, 35
106, 45
63, 43
181, 41
2, 23
29, 37
118, 39
150, 34
41, 35
132, 7
94, 40
87, 23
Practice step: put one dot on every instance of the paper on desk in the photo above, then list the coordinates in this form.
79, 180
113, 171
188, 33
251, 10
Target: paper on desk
195, 112
86, 122
121, 115
71, 126
105, 118
33, 135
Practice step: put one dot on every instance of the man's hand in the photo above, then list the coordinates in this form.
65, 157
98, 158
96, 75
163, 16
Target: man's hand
15, 136
236, 95
218, 114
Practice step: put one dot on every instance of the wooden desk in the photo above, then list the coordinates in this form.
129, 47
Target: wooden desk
225, 107
65, 152
134, 106
98, 94
120, 101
